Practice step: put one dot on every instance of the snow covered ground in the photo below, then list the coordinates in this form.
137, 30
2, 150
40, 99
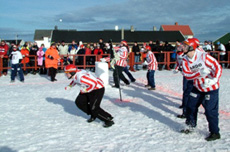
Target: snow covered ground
40, 116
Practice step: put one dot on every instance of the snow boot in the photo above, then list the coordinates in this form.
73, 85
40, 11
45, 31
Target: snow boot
188, 130
151, 88
91, 119
212, 137
181, 116
108, 123
147, 86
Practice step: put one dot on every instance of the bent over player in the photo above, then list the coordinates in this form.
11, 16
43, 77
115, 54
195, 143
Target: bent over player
91, 93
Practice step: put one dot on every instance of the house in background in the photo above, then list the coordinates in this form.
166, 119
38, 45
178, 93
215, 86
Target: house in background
56, 35
184, 29
223, 39
43, 37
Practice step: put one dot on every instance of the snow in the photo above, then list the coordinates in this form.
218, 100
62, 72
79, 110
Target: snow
40, 116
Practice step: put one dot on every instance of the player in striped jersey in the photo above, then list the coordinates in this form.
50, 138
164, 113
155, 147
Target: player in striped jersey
91, 93
121, 56
205, 72
187, 84
152, 67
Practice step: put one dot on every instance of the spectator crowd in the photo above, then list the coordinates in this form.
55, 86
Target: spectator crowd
73, 54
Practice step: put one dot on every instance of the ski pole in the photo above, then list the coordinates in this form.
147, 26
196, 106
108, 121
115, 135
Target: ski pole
118, 82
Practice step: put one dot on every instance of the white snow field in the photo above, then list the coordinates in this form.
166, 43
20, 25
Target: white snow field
40, 116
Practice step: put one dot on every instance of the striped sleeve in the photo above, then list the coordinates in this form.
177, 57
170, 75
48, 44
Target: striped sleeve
214, 65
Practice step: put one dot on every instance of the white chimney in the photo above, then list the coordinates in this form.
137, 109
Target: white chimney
116, 28
132, 28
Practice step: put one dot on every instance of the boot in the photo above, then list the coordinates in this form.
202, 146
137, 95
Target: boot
151, 88
212, 137
108, 123
181, 116
91, 119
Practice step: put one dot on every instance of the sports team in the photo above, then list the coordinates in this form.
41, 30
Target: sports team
201, 74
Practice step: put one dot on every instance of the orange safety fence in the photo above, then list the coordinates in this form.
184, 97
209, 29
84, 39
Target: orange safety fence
131, 61
60, 64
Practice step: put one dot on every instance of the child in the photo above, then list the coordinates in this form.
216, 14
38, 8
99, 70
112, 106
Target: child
40, 54
16, 58
152, 67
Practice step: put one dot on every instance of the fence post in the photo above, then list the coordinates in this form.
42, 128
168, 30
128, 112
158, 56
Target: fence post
228, 59
168, 60
84, 62
1, 66
131, 61
36, 62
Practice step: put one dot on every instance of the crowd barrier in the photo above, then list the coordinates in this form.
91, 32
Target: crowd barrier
167, 60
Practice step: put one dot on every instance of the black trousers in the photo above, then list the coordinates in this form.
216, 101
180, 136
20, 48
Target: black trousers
52, 72
5, 64
117, 75
90, 104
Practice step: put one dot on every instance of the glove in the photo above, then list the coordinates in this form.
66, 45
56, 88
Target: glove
112, 63
208, 82
175, 71
49, 56
204, 72
83, 89
103, 60
68, 87
145, 63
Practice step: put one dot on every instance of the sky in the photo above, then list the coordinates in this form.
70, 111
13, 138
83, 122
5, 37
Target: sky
209, 20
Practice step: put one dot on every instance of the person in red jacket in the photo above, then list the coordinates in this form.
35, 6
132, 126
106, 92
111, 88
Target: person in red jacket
87, 52
98, 50
3, 54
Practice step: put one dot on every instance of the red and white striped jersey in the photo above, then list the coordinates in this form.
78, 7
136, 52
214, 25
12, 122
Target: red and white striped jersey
123, 54
151, 60
87, 81
191, 70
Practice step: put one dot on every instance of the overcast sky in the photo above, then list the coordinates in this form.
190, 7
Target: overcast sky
208, 19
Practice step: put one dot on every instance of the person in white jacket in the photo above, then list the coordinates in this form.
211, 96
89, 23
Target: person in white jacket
222, 50
16, 67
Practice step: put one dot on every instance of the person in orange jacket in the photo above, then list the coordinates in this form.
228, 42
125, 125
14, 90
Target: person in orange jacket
51, 61
25, 54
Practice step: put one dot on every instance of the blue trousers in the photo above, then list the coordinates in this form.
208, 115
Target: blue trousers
16, 68
187, 88
126, 70
210, 102
136, 59
150, 78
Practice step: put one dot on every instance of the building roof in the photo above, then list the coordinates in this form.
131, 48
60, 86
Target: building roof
39, 34
223, 39
14, 41
185, 29
116, 36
